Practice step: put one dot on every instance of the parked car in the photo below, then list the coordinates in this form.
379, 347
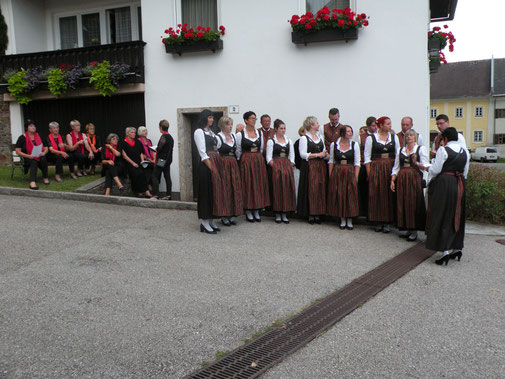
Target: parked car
485, 154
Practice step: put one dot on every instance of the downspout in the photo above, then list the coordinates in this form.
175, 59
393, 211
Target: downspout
494, 98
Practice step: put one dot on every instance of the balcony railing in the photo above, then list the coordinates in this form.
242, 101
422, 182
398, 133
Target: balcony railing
131, 53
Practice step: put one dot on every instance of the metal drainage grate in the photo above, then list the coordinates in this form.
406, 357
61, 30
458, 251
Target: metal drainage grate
255, 357
501, 241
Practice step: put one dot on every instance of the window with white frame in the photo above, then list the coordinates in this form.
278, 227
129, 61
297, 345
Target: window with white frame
499, 139
98, 26
433, 113
479, 111
478, 136
459, 112
314, 5
199, 13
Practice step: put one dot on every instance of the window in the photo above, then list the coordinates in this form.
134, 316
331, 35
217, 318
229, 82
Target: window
433, 113
199, 12
499, 139
68, 32
459, 112
119, 25
492, 150
478, 136
499, 113
315, 5
479, 111
91, 29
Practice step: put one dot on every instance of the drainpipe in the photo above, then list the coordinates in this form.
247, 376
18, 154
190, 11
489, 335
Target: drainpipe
494, 98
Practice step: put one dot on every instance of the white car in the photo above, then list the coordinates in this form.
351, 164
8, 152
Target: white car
485, 154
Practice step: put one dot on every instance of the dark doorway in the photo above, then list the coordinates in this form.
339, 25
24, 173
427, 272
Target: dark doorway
109, 114
193, 117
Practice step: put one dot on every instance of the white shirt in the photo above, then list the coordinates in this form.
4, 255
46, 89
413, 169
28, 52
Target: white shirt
439, 160
423, 156
270, 148
302, 146
238, 137
369, 142
199, 137
357, 157
233, 139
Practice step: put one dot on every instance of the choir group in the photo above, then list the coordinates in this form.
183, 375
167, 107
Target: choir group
381, 178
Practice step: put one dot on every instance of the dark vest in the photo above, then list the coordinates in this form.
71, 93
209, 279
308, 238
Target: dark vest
378, 149
313, 147
343, 158
280, 151
249, 146
406, 160
210, 143
454, 162
227, 150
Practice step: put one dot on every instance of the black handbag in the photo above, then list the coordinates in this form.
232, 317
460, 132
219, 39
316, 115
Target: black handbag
161, 163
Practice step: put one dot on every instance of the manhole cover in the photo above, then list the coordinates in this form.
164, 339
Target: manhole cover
501, 241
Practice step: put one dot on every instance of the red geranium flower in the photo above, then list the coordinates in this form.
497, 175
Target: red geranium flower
94, 63
308, 26
341, 22
199, 34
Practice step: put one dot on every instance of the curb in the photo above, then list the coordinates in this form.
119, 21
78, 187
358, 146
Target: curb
116, 200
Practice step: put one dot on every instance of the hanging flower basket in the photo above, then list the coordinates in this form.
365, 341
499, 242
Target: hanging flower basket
187, 40
334, 25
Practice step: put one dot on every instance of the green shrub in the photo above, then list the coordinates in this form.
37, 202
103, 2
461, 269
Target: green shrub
18, 87
485, 196
100, 78
55, 82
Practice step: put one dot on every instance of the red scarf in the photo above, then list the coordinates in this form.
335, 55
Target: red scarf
76, 139
109, 154
131, 143
53, 142
146, 145
30, 145
92, 142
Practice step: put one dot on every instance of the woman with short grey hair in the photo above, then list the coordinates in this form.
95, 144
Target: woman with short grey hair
133, 155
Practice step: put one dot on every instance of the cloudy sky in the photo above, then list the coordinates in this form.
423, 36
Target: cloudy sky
479, 30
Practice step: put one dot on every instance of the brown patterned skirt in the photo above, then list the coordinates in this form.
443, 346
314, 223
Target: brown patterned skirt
411, 211
254, 180
211, 191
283, 186
230, 173
381, 205
343, 192
312, 188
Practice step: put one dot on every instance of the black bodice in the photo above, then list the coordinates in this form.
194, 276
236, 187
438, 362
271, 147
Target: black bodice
406, 160
343, 158
227, 150
249, 146
379, 150
313, 147
210, 143
455, 162
280, 151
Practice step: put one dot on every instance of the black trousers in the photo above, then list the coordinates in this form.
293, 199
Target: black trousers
111, 171
137, 179
156, 177
148, 172
58, 161
81, 160
97, 158
31, 166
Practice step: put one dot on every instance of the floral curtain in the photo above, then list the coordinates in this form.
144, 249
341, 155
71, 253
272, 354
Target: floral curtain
199, 12
314, 5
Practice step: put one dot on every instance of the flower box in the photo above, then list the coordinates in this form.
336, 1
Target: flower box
434, 65
324, 35
201, 45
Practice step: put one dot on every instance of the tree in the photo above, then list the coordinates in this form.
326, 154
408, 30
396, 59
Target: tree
4, 40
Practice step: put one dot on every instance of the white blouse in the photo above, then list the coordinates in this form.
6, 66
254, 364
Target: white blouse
369, 142
199, 137
357, 157
270, 148
438, 162
233, 139
423, 156
302, 146
238, 137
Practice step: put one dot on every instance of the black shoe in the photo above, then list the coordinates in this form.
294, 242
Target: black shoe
249, 219
34, 188
285, 221
378, 228
341, 227
318, 221
204, 229
444, 259
216, 229
412, 239
278, 221
406, 235
456, 254
386, 229
350, 227
225, 222
311, 221
257, 219
232, 222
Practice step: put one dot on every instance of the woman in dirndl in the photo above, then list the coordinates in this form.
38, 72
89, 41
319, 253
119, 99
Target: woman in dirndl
211, 196
381, 149
280, 157
410, 207
445, 227
312, 186
344, 165
230, 172
253, 171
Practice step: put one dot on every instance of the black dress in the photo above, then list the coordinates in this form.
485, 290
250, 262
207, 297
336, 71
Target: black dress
111, 171
31, 165
446, 211
136, 174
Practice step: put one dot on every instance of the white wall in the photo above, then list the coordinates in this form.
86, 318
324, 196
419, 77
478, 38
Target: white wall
384, 72
29, 25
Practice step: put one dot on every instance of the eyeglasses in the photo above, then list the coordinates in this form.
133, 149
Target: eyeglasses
252, 118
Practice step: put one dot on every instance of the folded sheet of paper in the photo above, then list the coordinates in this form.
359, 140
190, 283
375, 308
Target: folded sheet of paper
36, 151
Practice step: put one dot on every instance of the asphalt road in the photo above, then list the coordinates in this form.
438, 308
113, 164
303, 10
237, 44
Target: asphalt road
92, 290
